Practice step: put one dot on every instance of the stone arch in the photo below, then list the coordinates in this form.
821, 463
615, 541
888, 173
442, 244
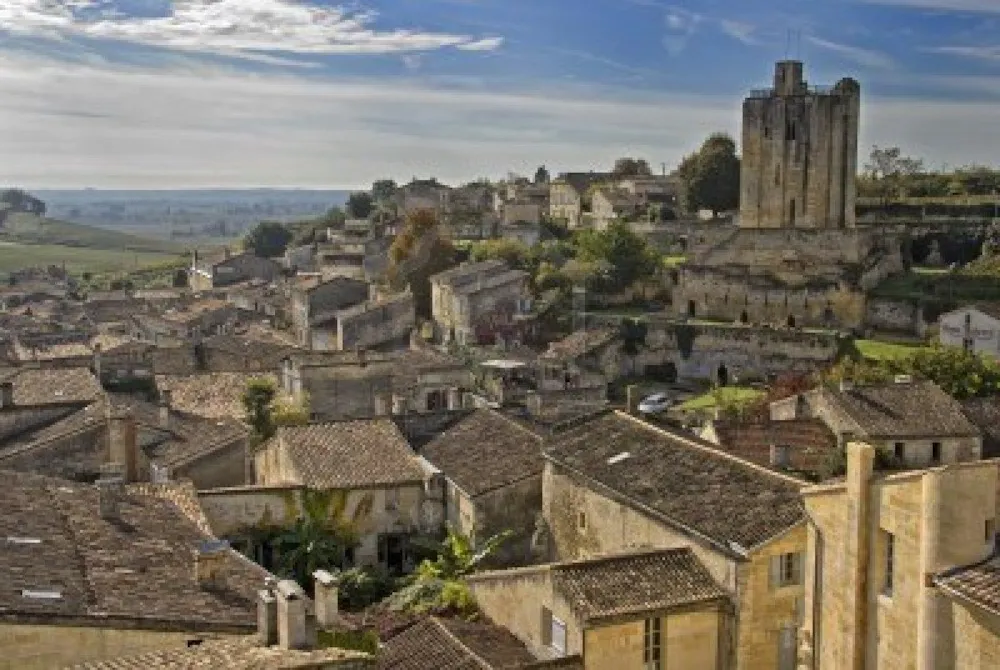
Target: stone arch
722, 375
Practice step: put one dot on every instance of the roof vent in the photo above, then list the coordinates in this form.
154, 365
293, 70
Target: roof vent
618, 458
903, 379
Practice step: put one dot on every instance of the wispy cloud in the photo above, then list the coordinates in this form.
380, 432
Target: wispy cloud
859, 55
682, 24
739, 31
987, 6
980, 52
232, 27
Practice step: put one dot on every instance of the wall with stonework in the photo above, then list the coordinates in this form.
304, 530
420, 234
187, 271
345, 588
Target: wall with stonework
695, 639
903, 316
977, 637
76, 455
40, 647
512, 508
225, 466
16, 420
372, 325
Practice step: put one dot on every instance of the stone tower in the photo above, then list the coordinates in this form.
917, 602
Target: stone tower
800, 153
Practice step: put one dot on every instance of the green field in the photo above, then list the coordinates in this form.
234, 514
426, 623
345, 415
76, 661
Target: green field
30, 229
729, 395
878, 350
77, 259
671, 262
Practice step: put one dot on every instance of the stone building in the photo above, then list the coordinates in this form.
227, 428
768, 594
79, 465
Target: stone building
569, 199
613, 483
98, 571
800, 153
385, 322
902, 569
609, 204
975, 329
914, 420
476, 302
801, 447
316, 306
797, 257
492, 475
216, 270
628, 611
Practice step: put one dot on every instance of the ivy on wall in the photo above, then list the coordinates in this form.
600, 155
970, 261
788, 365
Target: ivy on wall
685, 335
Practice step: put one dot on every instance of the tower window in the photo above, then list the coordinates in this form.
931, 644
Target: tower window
790, 131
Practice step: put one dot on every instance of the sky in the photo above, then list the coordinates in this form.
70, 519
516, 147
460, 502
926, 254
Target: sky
336, 94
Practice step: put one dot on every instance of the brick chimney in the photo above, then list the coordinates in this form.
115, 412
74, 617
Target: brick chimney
326, 598
292, 630
123, 444
110, 486
6, 394
210, 561
267, 614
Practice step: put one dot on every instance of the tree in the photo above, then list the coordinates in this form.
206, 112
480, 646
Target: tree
360, 205
268, 239
888, 171
631, 167
541, 175
710, 178
180, 278
628, 256
19, 200
257, 399
513, 252
383, 190
418, 252
319, 540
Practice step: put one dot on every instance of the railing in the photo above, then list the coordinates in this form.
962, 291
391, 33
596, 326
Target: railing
807, 90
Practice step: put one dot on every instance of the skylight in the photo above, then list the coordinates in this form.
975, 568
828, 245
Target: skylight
618, 458
41, 595
23, 540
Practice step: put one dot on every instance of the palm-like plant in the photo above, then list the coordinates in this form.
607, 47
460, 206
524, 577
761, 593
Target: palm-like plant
319, 539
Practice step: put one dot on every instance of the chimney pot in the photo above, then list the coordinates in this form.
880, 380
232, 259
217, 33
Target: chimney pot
123, 444
110, 486
326, 599
454, 399
6, 394
292, 631
210, 563
267, 615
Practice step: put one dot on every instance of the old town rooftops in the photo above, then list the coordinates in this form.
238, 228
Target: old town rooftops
454, 643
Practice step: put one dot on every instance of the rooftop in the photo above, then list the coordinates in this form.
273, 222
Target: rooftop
579, 343
214, 395
685, 480
240, 653
809, 441
74, 563
38, 386
455, 644
984, 413
349, 454
635, 583
485, 451
978, 583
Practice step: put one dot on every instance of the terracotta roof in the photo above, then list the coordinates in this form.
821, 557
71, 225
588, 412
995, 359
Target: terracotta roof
243, 653
912, 410
686, 480
979, 583
37, 386
455, 644
579, 343
210, 394
485, 451
635, 583
809, 441
140, 567
468, 271
984, 413
349, 454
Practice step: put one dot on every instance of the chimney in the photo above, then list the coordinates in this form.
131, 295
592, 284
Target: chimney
632, 398
779, 456
166, 400
7, 394
454, 399
326, 598
291, 616
97, 359
533, 402
194, 258
382, 403
267, 614
123, 445
110, 485
228, 253
398, 405
210, 563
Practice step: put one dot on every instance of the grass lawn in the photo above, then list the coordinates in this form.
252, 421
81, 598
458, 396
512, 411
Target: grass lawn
739, 395
30, 229
674, 261
77, 259
877, 350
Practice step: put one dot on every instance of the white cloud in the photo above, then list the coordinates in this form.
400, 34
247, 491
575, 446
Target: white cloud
232, 27
742, 32
859, 55
980, 52
681, 25
945, 5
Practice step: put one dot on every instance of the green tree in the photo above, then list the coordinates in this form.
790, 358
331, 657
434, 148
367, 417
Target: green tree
710, 178
631, 167
383, 190
360, 205
268, 239
626, 254
513, 252
319, 540
257, 399
418, 252
542, 175
888, 172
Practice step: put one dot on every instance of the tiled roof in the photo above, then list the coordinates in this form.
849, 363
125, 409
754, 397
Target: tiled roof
685, 480
635, 583
349, 454
579, 343
37, 386
140, 567
485, 451
242, 653
211, 394
455, 644
809, 441
908, 410
979, 583
984, 413
466, 272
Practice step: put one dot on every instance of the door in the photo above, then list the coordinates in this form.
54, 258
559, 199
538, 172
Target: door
786, 648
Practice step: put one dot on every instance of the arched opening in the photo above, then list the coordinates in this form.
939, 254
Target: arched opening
828, 315
744, 317
790, 321
692, 308
675, 277
722, 375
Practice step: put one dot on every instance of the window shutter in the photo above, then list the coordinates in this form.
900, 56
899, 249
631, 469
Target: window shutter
775, 572
799, 573
546, 626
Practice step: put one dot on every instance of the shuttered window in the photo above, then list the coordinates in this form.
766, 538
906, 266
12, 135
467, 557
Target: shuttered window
786, 570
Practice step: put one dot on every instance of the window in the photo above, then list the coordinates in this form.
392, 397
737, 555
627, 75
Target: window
786, 570
991, 531
935, 452
899, 450
391, 500
651, 650
553, 632
581, 520
890, 557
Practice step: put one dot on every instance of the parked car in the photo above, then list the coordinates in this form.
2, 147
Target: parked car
655, 403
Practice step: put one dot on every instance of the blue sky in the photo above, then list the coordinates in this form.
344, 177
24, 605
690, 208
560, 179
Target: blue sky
190, 93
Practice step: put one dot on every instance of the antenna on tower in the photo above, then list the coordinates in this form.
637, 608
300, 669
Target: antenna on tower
788, 42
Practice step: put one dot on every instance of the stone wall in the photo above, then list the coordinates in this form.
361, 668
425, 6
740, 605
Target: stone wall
512, 508
224, 466
375, 324
77, 455
688, 640
902, 316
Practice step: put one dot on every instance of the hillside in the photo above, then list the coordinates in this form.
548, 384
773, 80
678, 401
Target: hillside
20, 228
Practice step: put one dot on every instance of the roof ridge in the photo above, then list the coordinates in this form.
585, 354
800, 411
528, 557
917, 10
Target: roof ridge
641, 552
451, 636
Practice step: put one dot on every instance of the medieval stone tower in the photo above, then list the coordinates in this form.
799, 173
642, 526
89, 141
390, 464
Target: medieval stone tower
800, 153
